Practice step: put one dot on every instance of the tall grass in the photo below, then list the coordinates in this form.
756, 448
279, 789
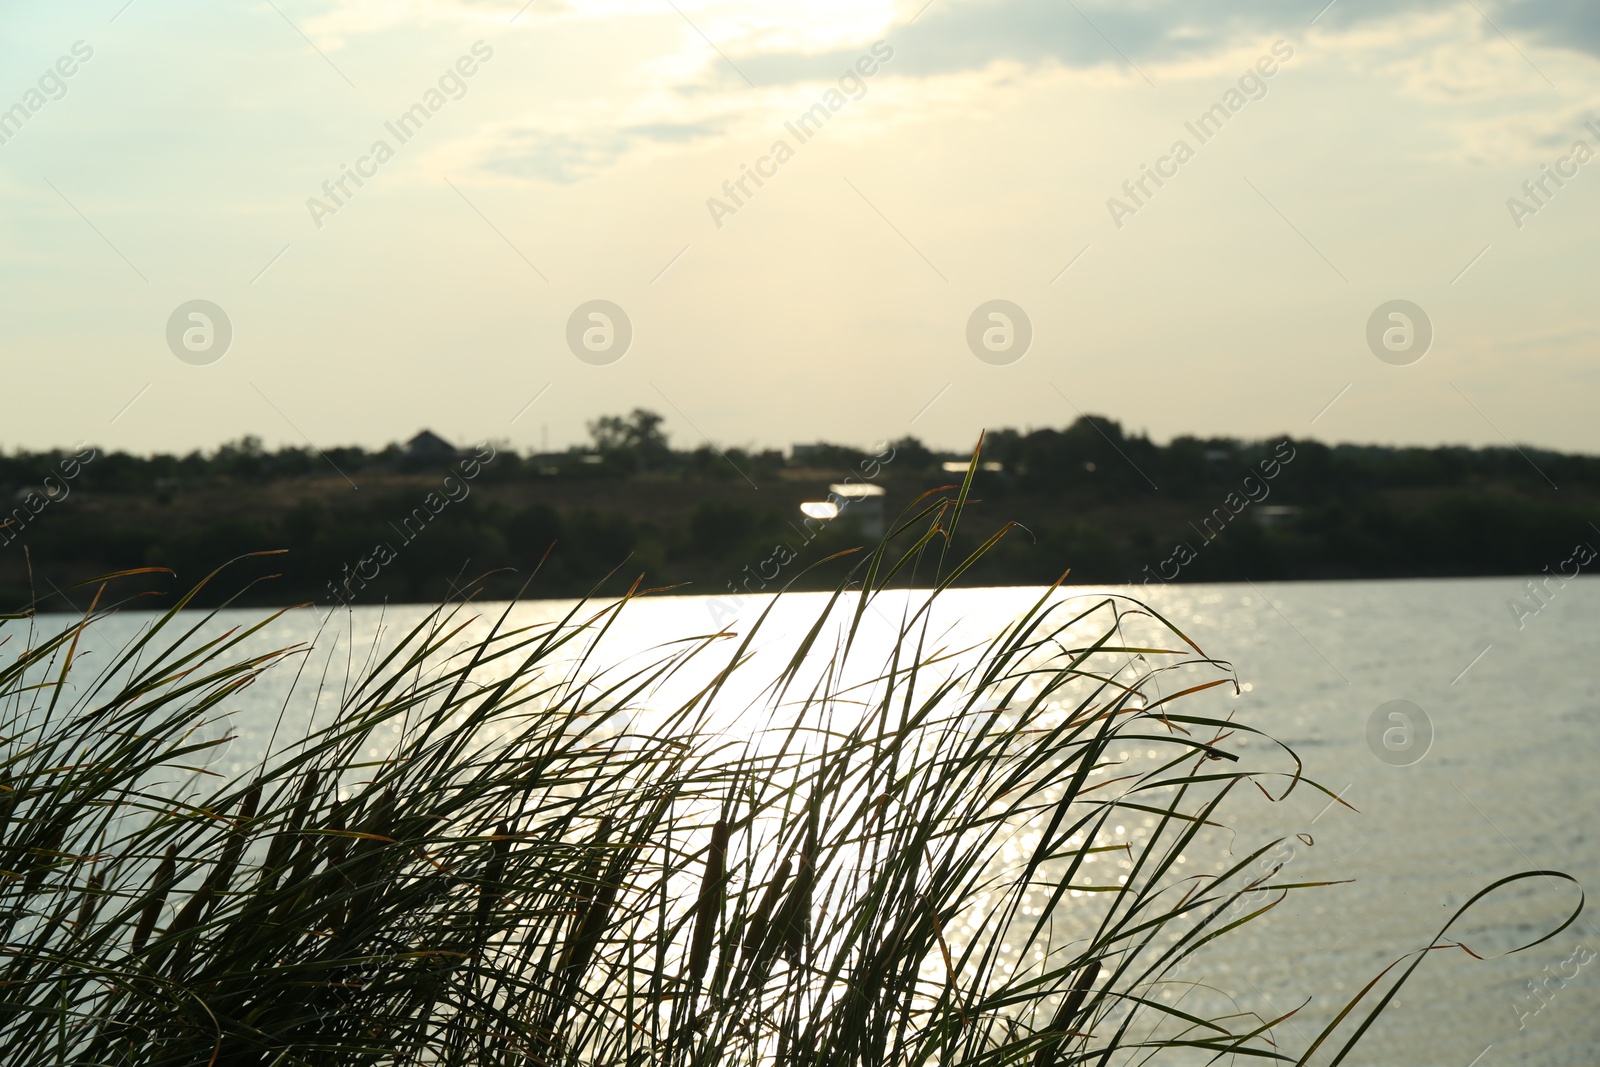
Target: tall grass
502, 850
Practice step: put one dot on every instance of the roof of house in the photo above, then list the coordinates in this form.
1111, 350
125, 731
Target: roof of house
429, 443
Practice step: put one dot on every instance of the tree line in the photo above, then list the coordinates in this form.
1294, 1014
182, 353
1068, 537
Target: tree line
1110, 505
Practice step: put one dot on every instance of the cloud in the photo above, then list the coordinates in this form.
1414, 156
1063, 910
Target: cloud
786, 41
955, 34
343, 19
564, 156
561, 158
972, 56
1569, 24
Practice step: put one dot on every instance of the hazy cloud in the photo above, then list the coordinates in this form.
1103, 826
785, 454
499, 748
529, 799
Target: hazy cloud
568, 156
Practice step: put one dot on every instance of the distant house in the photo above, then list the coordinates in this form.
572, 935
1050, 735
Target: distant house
428, 445
864, 504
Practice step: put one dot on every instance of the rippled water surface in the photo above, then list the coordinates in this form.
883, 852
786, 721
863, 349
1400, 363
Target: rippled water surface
1508, 783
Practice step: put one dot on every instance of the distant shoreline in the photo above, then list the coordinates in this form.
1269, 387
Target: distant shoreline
411, 524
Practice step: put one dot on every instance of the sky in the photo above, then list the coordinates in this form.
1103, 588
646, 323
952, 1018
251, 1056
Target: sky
1384, 233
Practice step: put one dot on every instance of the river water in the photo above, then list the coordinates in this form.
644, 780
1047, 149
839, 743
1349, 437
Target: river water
1496, 775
